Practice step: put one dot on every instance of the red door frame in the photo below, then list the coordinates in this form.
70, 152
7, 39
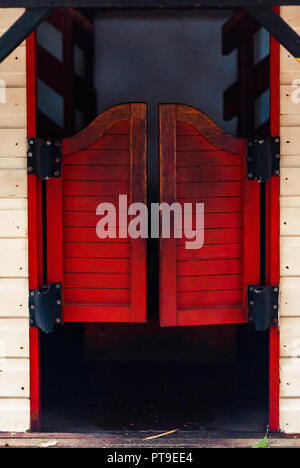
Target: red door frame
35, 267
273, 234
34, 228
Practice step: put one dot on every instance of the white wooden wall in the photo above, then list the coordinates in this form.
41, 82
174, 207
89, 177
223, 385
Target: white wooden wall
14, 332
290, 233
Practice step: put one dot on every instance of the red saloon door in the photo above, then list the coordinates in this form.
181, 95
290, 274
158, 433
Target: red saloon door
201, 163
104, 280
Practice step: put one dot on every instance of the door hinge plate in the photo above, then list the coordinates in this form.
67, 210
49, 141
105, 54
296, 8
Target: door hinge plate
263, 306
44, 157
263, 159
45, 307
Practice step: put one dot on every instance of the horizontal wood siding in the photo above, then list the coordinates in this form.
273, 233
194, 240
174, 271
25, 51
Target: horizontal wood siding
290, 235
14, 333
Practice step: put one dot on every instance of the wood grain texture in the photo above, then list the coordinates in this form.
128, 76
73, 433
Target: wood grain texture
199, 163
96, 129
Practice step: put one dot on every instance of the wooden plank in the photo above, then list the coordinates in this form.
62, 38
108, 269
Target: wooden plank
97, 296
209, 283
206, 158
9, 16
13, 143
291, 14
289, 141
9, 121
15, 102
290, 377
14, 297
13, 163
14, 258
206, 174
290, 161
290, 182
290, 337
14, 80
290, 415
290, 296
167, 247
99, 173
290, 256
198, 299
290, 120
14, 378
84, 280
287, 104
15, 414
98, 157
13, 183
81, 188
94, 250
14, 338
13, 204
13, 223
288, 63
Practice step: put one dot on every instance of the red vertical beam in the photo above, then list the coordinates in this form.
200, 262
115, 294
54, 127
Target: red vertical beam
273, 233
138, 161
167, 252
34, 239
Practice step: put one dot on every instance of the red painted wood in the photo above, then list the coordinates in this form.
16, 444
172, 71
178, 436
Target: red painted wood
202, 164
105, 160
167, 262
272, 236
34, 230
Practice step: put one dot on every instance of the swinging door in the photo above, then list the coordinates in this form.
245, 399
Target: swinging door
200, 163
103, 280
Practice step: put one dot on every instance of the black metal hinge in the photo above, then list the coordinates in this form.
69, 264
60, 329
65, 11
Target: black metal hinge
44, 157
263, 306
263, 159
45, 307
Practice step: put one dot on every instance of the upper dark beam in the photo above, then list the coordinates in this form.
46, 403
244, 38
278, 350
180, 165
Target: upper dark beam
278, 28
143, 3
21, 29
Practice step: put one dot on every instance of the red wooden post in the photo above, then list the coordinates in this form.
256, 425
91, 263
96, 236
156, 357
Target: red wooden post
272, 235
34, 233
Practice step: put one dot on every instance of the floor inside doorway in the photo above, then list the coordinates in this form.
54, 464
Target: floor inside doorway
156, 397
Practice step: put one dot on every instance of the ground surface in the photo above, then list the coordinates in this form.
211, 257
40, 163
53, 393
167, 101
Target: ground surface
117, 439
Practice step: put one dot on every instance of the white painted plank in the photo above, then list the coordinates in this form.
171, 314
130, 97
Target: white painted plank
290, 377
13, 183
13, 223
290, 297
287, 78
289, 141
290, 221
13, 203
14, 414
290, 337
15, 102
13, 163
13, 143
291, 14
14, 378
14, 258
290, 415
9, 15
289, 161
15, 62
290, 120
14, 338
11, 121
290, 182
14, 80
288, 103
14, 297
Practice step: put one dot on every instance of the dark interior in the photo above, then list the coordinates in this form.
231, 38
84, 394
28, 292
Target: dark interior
101, 377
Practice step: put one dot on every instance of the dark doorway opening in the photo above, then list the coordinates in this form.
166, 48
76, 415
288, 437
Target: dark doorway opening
141, 377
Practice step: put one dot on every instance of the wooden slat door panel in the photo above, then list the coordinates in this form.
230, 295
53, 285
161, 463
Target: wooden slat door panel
104, 280
201, 163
